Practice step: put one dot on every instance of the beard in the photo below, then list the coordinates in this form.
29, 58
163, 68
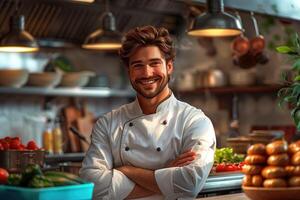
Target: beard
163, 82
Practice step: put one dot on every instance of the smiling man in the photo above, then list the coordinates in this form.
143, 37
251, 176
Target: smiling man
156, 147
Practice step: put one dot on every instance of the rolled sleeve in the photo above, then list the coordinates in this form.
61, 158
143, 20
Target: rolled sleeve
187, 181
163, 177
121, 185
97, 167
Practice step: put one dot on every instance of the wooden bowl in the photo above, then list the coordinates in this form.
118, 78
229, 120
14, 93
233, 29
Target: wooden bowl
261, 193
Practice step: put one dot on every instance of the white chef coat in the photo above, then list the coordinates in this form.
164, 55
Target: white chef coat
126, 136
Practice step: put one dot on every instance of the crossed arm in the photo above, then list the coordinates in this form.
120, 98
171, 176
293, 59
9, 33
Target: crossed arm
144, 178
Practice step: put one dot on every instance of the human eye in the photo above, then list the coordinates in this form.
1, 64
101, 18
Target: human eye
137, 66
155, 63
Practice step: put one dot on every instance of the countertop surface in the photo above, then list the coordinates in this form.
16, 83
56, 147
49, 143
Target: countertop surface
238, 196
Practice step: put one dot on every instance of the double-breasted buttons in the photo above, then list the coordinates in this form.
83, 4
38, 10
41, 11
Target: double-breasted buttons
164, 122
126, 148
130, 124
158, 149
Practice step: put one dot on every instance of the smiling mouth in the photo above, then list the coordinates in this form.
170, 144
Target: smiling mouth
148, 81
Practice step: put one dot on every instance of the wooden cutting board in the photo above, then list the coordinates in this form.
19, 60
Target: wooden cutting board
71, 114
85, 125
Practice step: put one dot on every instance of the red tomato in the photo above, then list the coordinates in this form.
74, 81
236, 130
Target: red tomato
14, 144
22, 147
5, 145
7, 139
31, 145
1, 147
220, 167
3, 176
227, 167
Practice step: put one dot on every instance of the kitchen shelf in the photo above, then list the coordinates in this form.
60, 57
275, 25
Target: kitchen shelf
70, 92
235, 89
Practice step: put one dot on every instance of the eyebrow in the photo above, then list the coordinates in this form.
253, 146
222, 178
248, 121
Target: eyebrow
139, 61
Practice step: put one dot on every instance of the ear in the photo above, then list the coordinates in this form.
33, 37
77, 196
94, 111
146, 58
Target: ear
170, 67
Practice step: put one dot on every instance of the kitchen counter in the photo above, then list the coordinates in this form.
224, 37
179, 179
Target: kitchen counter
222, 183
238, 196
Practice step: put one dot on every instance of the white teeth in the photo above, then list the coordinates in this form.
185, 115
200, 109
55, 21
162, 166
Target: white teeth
147, 81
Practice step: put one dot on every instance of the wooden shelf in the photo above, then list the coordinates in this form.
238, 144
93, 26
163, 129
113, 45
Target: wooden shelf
97, 92
235, 90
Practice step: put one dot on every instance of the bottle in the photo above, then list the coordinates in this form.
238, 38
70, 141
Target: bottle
48, 136
57, 137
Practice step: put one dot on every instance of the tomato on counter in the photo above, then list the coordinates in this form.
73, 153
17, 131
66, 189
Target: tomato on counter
223, 167
3, 176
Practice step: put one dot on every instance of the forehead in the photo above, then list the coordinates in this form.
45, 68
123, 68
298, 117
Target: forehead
146, 53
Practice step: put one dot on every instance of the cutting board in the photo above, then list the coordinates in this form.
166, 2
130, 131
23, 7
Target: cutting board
85, 125
71, 114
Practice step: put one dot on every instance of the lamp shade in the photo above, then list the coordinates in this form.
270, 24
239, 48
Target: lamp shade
215, 22
105, 38
17, 39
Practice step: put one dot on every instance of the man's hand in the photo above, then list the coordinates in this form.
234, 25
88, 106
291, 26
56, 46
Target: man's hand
183, 159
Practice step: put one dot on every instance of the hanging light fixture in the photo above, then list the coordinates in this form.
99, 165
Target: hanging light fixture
18, 39
107, 37
215, 22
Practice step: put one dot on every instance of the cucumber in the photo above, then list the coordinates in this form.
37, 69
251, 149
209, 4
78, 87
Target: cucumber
30, 171
69, 176
61, 181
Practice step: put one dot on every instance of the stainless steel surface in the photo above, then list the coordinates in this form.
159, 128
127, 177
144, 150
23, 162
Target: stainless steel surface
67, 157
210, 78
76, 92
16, 161
285, 9
238, 196
223, 182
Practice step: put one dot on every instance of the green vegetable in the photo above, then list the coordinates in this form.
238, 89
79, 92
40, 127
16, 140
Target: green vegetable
226, 155
40, 181
29, 173
69, 176
60, 181
14, 179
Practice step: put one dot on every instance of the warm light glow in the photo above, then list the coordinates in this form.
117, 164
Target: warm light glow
215, 32
18, 49
103, 46
86, 1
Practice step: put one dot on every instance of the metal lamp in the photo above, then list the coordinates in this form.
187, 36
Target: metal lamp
105, 38
215, 22
18, 39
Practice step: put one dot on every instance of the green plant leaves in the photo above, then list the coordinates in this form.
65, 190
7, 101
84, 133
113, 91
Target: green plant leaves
291, 93
286, 50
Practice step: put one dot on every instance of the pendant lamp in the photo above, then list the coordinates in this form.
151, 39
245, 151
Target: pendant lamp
215, 22
18, 39
105, 38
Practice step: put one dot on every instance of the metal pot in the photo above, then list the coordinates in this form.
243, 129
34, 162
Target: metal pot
212, 78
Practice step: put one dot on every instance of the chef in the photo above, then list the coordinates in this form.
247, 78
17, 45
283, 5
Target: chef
156, 147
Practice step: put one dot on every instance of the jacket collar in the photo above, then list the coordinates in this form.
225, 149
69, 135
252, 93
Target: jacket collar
165, 105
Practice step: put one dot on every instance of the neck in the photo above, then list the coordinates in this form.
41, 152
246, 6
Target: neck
149, 106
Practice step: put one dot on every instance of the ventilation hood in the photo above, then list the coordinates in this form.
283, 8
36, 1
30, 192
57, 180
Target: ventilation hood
66, 23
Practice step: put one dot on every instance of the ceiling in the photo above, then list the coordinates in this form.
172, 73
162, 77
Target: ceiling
67, 22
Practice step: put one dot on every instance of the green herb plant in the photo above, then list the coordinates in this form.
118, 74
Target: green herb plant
290, 92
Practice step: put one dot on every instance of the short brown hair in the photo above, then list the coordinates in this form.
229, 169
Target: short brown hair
145, 36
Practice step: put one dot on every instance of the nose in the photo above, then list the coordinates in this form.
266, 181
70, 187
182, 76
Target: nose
147, 70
